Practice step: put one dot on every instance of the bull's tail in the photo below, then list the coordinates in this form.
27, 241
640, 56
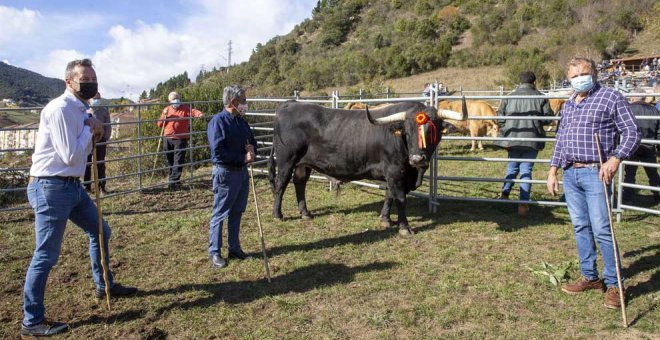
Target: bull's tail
271, 167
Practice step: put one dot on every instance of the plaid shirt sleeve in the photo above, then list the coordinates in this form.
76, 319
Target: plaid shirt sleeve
626, 124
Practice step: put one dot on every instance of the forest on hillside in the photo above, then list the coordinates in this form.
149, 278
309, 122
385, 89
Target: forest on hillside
27, 88
349, 42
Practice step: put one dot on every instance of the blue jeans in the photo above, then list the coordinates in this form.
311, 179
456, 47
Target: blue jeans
588, 209
55, 201
522, 168
230, 194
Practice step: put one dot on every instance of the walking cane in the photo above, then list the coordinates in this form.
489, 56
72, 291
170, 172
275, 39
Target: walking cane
100, 220
162, 130
261, 231
614, 243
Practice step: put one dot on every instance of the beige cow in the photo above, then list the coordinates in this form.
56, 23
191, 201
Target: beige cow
475, 128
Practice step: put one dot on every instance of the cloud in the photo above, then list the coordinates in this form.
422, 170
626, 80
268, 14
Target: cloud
54, 63
137, 56
16, 24
29, 35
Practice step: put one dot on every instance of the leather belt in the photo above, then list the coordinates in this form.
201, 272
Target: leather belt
578, 165
61, 178
229, 167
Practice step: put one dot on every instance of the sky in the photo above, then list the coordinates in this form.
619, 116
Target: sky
135, 44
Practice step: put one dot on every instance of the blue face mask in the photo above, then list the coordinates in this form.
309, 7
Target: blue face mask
582, 84
95, 102
175, 103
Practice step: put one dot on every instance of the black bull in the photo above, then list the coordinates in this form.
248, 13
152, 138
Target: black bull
351, 145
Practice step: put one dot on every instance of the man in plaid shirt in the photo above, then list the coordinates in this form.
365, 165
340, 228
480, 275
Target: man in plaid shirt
591, 109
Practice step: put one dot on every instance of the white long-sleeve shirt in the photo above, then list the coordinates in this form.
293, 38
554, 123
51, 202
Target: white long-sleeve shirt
63, 140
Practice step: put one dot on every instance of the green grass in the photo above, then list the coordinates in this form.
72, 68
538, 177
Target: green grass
464, 274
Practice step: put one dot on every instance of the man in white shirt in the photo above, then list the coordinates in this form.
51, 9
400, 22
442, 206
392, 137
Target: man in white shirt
55, 193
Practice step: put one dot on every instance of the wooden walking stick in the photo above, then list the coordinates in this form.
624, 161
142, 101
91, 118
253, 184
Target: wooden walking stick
261, 231
162, 130
104, 265
614, 243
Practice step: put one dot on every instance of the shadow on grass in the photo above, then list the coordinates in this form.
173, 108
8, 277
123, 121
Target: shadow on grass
504, 215
298, 281
649, 261
365, 237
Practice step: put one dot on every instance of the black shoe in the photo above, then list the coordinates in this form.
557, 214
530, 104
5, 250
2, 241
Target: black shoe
44, 328
116, 291
240, 255
218, 261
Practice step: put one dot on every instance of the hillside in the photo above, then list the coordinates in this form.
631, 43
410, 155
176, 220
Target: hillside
368, 43
26, 87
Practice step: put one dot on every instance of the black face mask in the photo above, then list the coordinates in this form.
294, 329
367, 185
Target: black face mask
87, 91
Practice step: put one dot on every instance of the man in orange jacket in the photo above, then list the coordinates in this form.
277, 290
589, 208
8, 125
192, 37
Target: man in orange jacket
176, 118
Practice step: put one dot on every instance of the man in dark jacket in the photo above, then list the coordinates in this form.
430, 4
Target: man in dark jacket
102, 114
522, 129
646, 152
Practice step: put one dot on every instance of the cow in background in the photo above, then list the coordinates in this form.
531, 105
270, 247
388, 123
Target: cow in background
555, 105
474, 128
363, 106
394, 144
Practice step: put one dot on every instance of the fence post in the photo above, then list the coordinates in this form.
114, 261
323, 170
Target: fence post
360, 93
433, 175
619, 194
190, 145
139, 133
387, 92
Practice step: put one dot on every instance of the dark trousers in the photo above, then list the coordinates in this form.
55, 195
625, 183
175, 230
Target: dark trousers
646, 155
176, 156
100, 166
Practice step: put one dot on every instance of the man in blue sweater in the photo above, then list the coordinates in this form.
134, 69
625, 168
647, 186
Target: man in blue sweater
232, 147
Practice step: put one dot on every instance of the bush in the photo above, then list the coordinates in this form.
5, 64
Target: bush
527, 60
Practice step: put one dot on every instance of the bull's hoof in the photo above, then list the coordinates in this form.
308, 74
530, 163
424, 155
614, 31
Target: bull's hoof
307, 217
278, 218
406, 231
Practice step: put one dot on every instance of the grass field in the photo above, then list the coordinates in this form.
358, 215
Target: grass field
466, 273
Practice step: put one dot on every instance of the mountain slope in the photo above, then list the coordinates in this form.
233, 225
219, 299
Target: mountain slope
368, 42
27, 87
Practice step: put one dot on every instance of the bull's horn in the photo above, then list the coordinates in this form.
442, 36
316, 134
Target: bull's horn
393, 118
450, 114
453, 114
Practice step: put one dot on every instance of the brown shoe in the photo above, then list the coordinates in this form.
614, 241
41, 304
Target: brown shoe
612, 299
523, 209
581, 285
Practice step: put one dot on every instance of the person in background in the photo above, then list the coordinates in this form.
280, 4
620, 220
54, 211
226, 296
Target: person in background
591, 109
646, 152
427, 90
522, 129
175, 122
64, 140
232, 148
103, 116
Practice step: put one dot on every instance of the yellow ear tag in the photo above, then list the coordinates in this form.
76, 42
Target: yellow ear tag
397, 133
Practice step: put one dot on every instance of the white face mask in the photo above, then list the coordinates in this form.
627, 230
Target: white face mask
175, 103
242, 108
